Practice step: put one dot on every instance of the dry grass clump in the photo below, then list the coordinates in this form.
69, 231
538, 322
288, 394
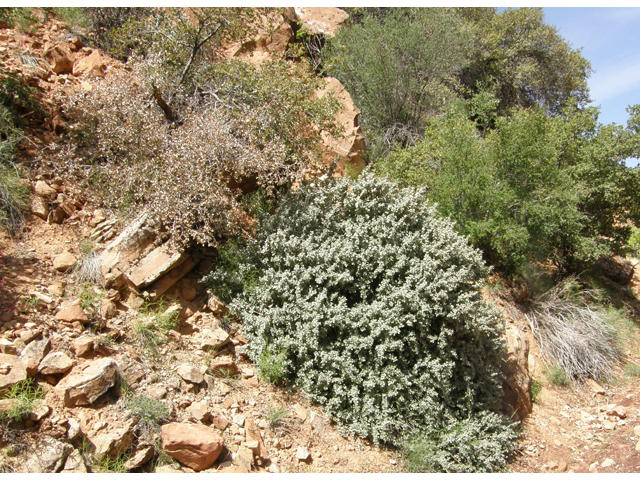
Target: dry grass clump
574, 335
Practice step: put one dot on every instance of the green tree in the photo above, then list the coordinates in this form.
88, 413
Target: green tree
398, 68
533, 188
524, 61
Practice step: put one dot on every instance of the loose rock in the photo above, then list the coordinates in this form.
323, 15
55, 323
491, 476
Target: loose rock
12, 371
190, 374
195, 446
64, 262
34, 353
85, 386
55, 363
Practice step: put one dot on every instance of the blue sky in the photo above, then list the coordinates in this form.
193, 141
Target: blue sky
609, 38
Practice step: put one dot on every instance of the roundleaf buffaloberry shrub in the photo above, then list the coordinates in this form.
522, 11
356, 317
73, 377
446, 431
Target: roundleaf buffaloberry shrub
371, 302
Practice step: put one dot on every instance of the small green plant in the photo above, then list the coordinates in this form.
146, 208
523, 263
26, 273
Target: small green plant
272, 366
90, 298
111, 465
151, 332
275, 416
534, 390
122, 387
149, 336
24, 398
168, 320
32, 302
632, 370
558, 376
151, 412
13, 200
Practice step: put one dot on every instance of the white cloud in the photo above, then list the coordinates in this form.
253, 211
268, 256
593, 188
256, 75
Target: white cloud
619, 79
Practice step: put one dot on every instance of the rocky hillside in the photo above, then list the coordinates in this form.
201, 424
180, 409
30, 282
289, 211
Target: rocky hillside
114, 357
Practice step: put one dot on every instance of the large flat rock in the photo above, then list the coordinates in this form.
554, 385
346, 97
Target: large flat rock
155, 265
169, 280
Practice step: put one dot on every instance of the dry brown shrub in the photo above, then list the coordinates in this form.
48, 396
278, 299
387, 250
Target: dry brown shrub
187, 173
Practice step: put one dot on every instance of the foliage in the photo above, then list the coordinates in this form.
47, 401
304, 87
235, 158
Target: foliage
398, 69
248, 124
271, 366
151, 331
522, 60
74, 17
109, 464
176, 45
107, 22
573, 334
534, 390
13, 201
533, 188
477, 444
16, 101
634, 241
18, 16
148, 410
25, 398
632, 369
558, 376
275, 416
90, 297
373, 302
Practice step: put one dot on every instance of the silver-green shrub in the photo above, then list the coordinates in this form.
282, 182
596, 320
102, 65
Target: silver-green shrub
374, 300
472, 445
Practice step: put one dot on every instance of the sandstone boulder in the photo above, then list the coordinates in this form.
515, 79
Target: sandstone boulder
75, 463
253, 435
114, 442
55, 363
72, 314
64, 261
243, 458
195, 446
350, 146
108, 309
87, 384
225, 366
45, 190
61, 58
156, 264
91, 65
318, 20
140, 457
83, 346
214, 338
7, 347
39, 207
199, 411
12, 371
190, 373
48, 456
33, 354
